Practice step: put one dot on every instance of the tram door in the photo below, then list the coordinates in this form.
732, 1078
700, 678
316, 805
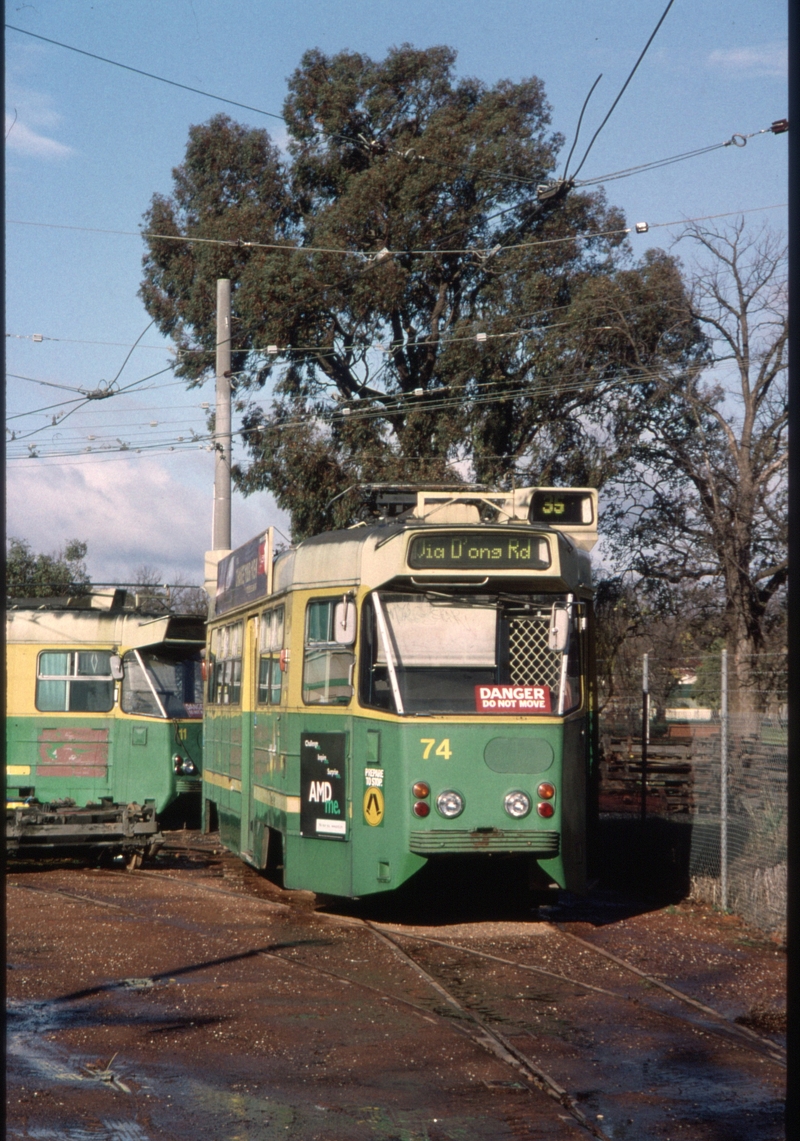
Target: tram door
249, 696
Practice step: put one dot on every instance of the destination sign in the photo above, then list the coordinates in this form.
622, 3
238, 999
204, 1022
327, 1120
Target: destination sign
468, 550
554, 506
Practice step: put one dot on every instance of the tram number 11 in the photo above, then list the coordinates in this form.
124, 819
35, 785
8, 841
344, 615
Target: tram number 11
442, 750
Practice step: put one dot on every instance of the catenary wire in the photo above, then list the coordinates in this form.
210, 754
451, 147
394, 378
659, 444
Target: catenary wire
580, 120
241, 243
147, 74
625, 84
486, 172
327, 418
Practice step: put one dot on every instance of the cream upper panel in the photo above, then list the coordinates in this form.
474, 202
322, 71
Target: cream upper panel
375, 555
83, 627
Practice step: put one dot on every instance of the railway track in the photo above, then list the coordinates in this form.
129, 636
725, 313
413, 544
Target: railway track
726, 1027
558, 1011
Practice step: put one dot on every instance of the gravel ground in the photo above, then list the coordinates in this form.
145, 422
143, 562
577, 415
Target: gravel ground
204, 1002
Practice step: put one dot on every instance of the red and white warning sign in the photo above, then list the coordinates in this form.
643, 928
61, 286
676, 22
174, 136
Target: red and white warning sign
512, 698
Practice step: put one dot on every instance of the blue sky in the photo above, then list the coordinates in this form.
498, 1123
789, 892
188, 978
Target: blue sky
88, 145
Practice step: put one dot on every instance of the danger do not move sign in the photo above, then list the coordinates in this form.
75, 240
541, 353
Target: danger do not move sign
512, 698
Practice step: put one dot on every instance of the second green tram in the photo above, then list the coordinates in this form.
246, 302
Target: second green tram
103, 726
406, 691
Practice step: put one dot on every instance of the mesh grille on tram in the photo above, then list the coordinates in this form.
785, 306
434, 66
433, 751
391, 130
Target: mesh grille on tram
532, 662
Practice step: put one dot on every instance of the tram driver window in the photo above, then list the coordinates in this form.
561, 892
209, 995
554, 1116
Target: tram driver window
74, 681
162, 682
327, 665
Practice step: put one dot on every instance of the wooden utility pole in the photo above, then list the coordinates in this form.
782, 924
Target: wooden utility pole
221, 516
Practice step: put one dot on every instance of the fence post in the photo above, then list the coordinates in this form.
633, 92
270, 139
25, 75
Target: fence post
645, 730
723, 784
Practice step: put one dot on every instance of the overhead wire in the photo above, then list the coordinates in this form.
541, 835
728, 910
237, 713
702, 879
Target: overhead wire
776, 128
147, 74
86, 400
376, 256
580, 120
622, 89
464, 396
241, 243
362, 384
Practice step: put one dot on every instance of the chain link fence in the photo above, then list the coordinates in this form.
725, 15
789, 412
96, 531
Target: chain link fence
701, 795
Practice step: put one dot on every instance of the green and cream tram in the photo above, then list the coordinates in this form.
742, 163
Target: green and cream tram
104, 724
407, 690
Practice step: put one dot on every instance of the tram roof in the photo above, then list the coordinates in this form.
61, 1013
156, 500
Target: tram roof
59, 621
373, 552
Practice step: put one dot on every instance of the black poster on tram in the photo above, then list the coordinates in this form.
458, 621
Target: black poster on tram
323, 801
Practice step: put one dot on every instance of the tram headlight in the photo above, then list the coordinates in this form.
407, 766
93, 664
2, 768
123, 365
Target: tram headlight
184, 766
450, 804
517, 804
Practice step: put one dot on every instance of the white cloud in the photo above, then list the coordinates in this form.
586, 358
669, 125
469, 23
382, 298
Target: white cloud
761, 60
130, 512
25, 140
30, 119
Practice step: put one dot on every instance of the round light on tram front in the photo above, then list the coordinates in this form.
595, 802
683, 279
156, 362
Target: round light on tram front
517, 804
450, 804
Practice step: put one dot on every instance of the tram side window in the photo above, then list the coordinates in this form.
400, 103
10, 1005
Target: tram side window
270, 676
225, 674
74, 681
327, 665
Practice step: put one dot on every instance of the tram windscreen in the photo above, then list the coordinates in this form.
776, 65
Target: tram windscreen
162, 683
450, 654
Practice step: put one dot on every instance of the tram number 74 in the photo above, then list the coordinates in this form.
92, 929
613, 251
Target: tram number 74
442, 750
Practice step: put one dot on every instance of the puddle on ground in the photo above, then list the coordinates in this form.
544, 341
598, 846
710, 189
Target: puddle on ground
108, 1131
200, 1111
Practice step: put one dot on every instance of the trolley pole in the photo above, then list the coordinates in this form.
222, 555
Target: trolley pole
723, 782
645, 730
221, 517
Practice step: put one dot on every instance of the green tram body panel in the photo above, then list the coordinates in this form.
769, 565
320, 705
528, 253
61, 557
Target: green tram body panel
86, 759
381, 857
269, 753
59, 750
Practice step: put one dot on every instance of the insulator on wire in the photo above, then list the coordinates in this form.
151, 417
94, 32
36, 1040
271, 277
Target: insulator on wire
642, 227
779, 126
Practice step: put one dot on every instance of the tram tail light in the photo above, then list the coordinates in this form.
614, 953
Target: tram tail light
546, 791
421, 790
545, 808
421, 808
183, 766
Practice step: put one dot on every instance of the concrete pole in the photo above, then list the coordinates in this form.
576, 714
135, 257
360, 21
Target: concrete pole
221, 516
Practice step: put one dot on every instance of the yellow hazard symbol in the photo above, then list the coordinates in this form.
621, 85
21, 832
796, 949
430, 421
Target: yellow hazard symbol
373, 806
